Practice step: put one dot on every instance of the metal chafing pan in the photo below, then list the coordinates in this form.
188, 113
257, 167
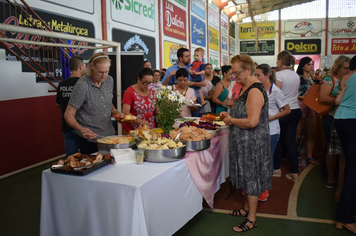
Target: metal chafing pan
109, 146
166, 155
200, 145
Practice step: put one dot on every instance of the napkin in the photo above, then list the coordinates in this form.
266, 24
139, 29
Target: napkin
123, 156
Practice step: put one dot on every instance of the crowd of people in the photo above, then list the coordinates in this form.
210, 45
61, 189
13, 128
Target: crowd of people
262, 105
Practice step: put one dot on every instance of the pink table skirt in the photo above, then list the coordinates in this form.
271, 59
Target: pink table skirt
205, 166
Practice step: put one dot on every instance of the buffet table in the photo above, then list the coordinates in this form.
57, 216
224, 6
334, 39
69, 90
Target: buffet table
148, 199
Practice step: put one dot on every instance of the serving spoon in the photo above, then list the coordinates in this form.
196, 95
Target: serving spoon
176, 138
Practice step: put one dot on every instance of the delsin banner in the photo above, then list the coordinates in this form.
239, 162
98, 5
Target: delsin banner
198, 32
303, 47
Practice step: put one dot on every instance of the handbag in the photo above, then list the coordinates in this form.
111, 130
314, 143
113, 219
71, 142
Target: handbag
312, 101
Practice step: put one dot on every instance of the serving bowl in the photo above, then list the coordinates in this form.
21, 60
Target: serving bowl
164, 155
200, 145
109, 146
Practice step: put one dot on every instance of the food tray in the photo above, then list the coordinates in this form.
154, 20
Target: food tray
108, 146
200, 145
83, 171
166, 155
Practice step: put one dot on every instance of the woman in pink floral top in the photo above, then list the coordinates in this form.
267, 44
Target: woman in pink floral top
140, 101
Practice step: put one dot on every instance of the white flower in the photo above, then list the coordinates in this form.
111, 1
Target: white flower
169, 87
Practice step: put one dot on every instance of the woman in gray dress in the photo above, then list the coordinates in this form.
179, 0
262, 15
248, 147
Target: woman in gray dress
249, 147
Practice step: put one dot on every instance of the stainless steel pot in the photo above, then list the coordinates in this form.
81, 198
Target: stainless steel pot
109, 146
166, 155
200, 145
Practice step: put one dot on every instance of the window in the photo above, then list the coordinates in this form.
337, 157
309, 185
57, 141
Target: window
315, 9
342, 8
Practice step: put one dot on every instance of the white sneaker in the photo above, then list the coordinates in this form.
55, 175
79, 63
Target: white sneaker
293, 177
277, 173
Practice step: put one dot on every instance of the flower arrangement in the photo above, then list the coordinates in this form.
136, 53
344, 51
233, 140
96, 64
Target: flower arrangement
169, 103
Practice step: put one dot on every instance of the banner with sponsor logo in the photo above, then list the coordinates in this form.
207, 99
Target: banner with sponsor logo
264, 48
343, 27
224, 42
198, 32
138, 13
305, 46
214, 58
199, 7
213, 12
343, 46
266, 30
213, 39
225, 59
170, 53
174, 22
135, 42
45, 54
232, 47
182, 2
224, 24
296, 29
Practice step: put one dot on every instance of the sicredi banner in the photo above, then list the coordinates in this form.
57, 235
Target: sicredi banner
170, 53
198, 32
302, 47
138, 13
343, 46
213, 39
264, 48
174, 22
266, 30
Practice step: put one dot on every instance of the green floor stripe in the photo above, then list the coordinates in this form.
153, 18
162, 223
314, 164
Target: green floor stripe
315, 200
216, 224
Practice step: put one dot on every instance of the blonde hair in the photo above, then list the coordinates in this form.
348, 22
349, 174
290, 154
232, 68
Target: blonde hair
201, 50
287, 58
97, 58
245, 62
338, 64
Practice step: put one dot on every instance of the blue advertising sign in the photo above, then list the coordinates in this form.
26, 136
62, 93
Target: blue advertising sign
199, 7
198, 32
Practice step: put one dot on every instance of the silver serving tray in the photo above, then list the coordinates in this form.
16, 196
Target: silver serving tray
200, 145
166, 155
109, 146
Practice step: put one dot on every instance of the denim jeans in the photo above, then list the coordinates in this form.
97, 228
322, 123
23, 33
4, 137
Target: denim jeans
287, 141
196, 113
346, 130
327, 126
71, 143
274, 141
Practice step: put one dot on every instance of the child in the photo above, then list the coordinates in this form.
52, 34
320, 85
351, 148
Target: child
197, 70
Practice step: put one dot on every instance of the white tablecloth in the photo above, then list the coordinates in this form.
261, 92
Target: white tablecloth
148, 199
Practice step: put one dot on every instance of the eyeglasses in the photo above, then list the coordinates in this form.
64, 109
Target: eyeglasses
235, 74
146, 82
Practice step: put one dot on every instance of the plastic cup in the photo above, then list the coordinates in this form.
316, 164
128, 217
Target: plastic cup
139, 154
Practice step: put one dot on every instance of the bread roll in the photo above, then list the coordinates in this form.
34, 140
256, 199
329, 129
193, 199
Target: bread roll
129, 118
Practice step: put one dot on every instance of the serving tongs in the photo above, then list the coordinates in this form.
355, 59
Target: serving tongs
58, 166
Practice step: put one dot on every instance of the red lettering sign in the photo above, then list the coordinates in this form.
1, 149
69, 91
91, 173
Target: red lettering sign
343, 46
174, 22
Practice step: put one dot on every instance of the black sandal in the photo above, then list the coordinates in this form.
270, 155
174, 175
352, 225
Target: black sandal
244, 227
234, 212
